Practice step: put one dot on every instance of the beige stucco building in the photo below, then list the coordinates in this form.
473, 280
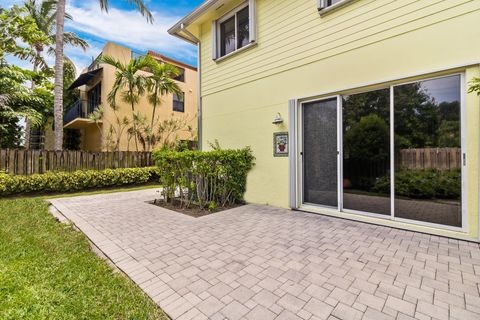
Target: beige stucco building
96, 82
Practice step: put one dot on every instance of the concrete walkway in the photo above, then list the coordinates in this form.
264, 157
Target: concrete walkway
259, 262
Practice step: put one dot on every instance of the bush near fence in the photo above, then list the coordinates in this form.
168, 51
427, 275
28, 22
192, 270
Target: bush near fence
207, 179
423, 184
74, 181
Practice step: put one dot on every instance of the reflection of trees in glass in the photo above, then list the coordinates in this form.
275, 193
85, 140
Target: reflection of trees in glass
228, 36
243, 32
366, 142
359, 105
420, 121
368, 139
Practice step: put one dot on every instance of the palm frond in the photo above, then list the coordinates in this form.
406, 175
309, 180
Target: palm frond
112, 62
141, 7
73, 40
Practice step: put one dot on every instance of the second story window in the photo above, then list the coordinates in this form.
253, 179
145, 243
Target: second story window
179, 102
181, 75
94, 97
234, 31
327, 4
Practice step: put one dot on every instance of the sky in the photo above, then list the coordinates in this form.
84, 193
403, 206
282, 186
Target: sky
123, 25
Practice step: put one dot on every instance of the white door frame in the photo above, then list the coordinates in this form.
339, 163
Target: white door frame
296, 161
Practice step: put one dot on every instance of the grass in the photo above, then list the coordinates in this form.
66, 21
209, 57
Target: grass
47, 271
53, 195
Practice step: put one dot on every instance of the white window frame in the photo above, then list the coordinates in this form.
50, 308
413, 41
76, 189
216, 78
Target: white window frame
216, 37
323, 6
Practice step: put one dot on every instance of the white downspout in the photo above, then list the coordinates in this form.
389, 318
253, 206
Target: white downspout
199, 84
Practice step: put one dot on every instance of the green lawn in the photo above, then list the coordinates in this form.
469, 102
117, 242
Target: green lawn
47, 271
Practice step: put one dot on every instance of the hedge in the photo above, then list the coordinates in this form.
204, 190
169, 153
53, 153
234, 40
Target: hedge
206, 178
74, 181
423, 184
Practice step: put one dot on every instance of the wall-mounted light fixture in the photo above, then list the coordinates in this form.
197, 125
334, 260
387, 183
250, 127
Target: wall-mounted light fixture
278, 119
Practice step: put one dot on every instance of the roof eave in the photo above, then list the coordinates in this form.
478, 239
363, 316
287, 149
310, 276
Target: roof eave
188, 19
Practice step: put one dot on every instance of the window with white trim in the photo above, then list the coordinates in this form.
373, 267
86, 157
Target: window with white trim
327, 3
234, 31
324, 4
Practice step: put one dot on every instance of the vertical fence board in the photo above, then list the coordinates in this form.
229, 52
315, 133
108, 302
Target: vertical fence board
430, 158
27, 162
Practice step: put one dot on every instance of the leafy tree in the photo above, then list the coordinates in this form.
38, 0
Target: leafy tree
416, 117
368, 139
168, 130
18, 33
475, 85
448, 134
17, 101
357, 106
17, 28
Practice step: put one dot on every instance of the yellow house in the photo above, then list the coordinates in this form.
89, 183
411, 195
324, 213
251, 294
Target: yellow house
96, 82
357, 109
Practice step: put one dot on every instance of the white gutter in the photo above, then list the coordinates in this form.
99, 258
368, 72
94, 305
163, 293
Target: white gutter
192, 16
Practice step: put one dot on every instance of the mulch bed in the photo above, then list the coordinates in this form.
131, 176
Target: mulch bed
194, 210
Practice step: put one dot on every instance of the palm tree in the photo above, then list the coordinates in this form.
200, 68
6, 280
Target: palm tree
44, 13
59, 44
129, 82
161, 83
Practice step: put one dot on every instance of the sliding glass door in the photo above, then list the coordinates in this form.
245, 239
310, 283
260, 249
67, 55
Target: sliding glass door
366, 151
394, 152
320, 168
427, 151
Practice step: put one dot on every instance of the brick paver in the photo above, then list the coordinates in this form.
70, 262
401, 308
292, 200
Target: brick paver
259, 262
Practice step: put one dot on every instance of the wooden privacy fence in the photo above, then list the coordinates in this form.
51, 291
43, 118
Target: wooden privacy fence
431, 158
26, 162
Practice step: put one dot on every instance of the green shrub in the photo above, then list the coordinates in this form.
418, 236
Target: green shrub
74, 181
423, 184
204, 177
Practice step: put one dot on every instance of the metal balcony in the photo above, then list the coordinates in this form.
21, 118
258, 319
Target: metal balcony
76, 116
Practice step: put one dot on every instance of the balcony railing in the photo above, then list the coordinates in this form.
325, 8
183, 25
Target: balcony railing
80, 109
95, 63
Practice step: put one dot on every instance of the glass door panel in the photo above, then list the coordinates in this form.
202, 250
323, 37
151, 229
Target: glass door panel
366, 152
320, 154
428, 154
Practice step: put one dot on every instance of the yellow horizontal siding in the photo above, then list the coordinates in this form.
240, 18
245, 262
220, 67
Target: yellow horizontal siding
300, 53
291, 33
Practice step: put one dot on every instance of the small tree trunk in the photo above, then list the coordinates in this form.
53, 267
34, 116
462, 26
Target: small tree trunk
134, 127
150, 139
58, 91
28, 126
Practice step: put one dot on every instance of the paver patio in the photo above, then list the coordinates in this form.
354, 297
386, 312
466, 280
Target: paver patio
259, 262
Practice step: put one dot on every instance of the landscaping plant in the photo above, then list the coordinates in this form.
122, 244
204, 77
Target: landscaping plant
423, 184
77, 180
207, 179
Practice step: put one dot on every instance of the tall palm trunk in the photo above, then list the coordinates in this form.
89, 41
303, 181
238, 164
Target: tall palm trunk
58, 91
